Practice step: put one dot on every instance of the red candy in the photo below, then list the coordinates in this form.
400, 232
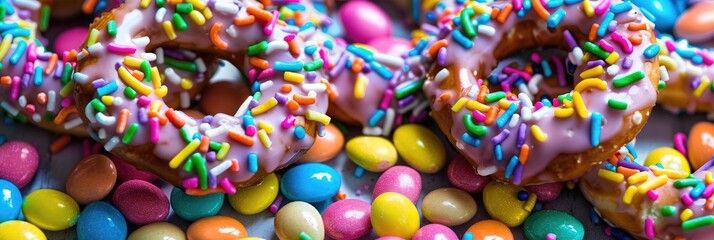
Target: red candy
18, 162
141, 202
546, 192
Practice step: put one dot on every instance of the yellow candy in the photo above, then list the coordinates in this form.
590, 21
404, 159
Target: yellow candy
670, 159
392, 214
255, 199
375, 154
50, 209
420, 148
19, 230
501, 203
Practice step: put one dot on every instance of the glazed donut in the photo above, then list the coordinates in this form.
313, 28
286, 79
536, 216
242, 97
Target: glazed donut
371, 89
538, 126
688, 73
652, 202
272, 128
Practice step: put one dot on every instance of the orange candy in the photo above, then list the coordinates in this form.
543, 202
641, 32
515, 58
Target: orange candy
700, 145
490, 229
216, 228
327, 147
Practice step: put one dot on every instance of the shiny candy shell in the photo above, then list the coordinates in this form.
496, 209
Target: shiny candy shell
695, 24
296, 218
392, 214
399, 179
69, 39
141, 202
20, 230
502, 203
160, 230
255, 199
91, 179
347, 219
100, 220
700, 144
50, 209
420, 148
374, 154
560, 223
325, 147
546, 192
463, 176
448, 206
18, 162
670, 158
365, 21
10, 201
192, 208
490, 229
216, 228
310, 182
664, 11
435, 231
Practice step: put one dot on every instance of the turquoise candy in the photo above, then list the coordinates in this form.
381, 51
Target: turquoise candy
310, 182
193, 208
560, 223
10, 201
664, 11
101, 220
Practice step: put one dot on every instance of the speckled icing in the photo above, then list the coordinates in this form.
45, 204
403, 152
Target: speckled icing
690, 73
270, 130
660, 199
535, 126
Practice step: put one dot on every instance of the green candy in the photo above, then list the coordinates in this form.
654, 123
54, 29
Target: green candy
560, 223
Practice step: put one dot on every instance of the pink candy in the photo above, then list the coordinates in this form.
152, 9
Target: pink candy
18, 162
391, 45
141, 202
435, 231
126, 172
462, 175
347, 219
70, 39
365, 21
399, 179
546, 192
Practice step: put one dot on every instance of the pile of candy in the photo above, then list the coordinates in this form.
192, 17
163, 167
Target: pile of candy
326, 194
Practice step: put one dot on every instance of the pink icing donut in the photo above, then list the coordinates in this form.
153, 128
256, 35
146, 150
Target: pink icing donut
688, 73
527, 123
272, 128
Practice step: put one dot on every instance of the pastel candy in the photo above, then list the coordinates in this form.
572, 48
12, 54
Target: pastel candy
435, 231
298, 218
448, 206
502, 203
141, 202
160, 230
91, 179
100, 220
255, 199
695, 24
490, 229
463, 176
325, 147
18, 162
347, 219
192, 208
10, 201
561, 224
392, 214
700, 144
20, 230
399, 179
670, 158
546, 192
216, 228
310, 182
420, 148
364, 21
374, 154
50, 209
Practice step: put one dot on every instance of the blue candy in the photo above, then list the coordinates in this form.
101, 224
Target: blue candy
101, 220
310, 182
10, 201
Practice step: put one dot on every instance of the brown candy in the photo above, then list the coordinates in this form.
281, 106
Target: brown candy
91, 179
